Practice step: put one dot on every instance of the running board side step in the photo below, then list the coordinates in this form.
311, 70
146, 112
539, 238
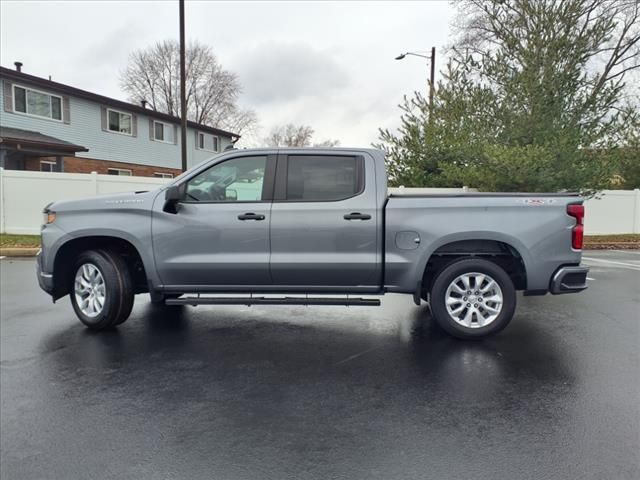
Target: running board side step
343, 301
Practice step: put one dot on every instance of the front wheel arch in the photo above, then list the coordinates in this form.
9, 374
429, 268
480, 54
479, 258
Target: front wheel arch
67, 254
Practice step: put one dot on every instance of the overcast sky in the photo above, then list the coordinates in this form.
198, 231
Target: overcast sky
329, 65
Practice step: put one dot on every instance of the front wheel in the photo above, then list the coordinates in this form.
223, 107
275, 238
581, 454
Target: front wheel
472, 298
102, 292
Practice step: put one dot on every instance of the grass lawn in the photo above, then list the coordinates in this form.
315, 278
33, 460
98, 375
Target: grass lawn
34, 240
625, 237
19, 240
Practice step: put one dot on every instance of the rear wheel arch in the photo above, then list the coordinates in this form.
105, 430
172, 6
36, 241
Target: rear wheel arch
502, 253
68, 252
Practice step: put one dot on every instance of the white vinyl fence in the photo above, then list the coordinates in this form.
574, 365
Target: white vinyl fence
23, 194
613, 211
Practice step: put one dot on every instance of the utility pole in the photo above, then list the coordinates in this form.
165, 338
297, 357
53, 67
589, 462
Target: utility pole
433, 76
183, 93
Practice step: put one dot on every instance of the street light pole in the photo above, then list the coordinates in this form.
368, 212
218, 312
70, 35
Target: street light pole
432, 77
183, 93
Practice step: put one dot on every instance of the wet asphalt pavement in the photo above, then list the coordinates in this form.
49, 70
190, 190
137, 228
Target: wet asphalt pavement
323, 392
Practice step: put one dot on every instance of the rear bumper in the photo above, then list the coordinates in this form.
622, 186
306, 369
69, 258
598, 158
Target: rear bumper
569, 280
45, 280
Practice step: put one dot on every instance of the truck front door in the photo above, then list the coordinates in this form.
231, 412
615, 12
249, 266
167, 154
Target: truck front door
219, 235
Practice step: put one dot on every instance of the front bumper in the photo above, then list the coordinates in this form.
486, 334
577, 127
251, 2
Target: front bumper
569, 280
45, 280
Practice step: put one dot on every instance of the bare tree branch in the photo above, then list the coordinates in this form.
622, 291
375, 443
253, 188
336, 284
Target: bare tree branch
291, 135
212, 93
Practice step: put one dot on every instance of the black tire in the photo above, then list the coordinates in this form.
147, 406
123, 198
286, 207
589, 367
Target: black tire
444, 279
119, 293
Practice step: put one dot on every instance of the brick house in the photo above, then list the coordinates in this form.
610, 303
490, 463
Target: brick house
49, 126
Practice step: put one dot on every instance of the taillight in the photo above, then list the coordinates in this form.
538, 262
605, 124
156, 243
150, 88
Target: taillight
577, 234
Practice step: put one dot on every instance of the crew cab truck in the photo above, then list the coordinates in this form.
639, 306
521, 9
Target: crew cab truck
313, 227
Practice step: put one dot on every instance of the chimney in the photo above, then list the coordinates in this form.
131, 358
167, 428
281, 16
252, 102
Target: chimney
18, 66
143, 102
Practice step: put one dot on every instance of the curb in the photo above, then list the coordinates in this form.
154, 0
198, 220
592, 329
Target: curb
19, 251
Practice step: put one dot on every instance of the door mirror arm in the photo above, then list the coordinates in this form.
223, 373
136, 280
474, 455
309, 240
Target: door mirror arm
172, 197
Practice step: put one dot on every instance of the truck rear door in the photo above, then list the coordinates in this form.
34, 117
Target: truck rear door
324, 223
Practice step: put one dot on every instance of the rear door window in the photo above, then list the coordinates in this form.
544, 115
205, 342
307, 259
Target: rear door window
323, 178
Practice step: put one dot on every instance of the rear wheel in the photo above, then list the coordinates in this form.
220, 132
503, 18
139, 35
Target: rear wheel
473, 298
102, 293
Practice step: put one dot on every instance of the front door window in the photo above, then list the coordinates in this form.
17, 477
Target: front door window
237, 180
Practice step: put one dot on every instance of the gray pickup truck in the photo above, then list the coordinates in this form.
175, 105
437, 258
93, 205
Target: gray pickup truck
310, 227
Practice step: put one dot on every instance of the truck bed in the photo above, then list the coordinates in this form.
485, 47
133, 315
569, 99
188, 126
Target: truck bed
535, 225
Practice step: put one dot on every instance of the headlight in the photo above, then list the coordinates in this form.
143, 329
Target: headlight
48, 217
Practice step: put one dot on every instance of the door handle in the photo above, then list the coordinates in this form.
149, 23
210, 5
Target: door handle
357, 216
251, 216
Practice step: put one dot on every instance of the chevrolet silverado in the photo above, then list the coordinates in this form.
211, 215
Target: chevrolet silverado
311, 227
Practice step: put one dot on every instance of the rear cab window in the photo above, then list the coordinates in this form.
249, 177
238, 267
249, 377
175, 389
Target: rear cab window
322, 178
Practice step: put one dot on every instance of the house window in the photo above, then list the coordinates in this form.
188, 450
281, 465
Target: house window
162, 175
119, 171
36, 103
119, 122
163, 132
47, 166
208, 142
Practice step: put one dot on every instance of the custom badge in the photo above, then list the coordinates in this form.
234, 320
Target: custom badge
538, 202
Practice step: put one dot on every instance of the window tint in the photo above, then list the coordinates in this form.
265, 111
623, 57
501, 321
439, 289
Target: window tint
236, 180
322, 178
